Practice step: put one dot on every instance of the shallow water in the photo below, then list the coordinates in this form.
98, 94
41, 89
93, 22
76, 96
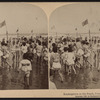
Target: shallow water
84, 80
11, 79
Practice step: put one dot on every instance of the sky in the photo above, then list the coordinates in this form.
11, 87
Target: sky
25, 17
66, 18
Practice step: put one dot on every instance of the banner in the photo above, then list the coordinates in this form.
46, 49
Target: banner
85, 22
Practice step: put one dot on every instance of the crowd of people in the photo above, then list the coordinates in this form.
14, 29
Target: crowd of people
71, 57
19, 55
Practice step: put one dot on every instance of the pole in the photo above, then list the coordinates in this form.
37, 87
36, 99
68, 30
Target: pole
89, 32
76, 34
7, 35
32, 33
17, 52
36, 26
17, 33
89, 35
56, 37
6, 32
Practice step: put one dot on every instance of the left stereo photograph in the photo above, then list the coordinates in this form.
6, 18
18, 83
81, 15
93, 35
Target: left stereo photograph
23, 47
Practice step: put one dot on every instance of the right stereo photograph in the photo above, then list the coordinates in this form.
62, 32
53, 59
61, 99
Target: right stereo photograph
74, 47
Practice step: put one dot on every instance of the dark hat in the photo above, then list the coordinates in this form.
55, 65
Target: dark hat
73, 40
83, 42
77, 39
65, 49
87, 43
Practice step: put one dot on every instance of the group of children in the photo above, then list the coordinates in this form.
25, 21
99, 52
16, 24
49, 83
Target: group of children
68, 56
20, 54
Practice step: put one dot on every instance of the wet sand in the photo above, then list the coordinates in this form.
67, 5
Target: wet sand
84, 80
38, 78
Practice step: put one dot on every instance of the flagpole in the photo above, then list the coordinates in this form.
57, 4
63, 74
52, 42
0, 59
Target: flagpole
37, 26
56, 35
32, 33
89, 31
89, 34
17, 33
76, 34
6, 31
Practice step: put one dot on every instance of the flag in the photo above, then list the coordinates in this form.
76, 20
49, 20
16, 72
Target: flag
76, 29
31, 31
85, 22
2, 24
17, 30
